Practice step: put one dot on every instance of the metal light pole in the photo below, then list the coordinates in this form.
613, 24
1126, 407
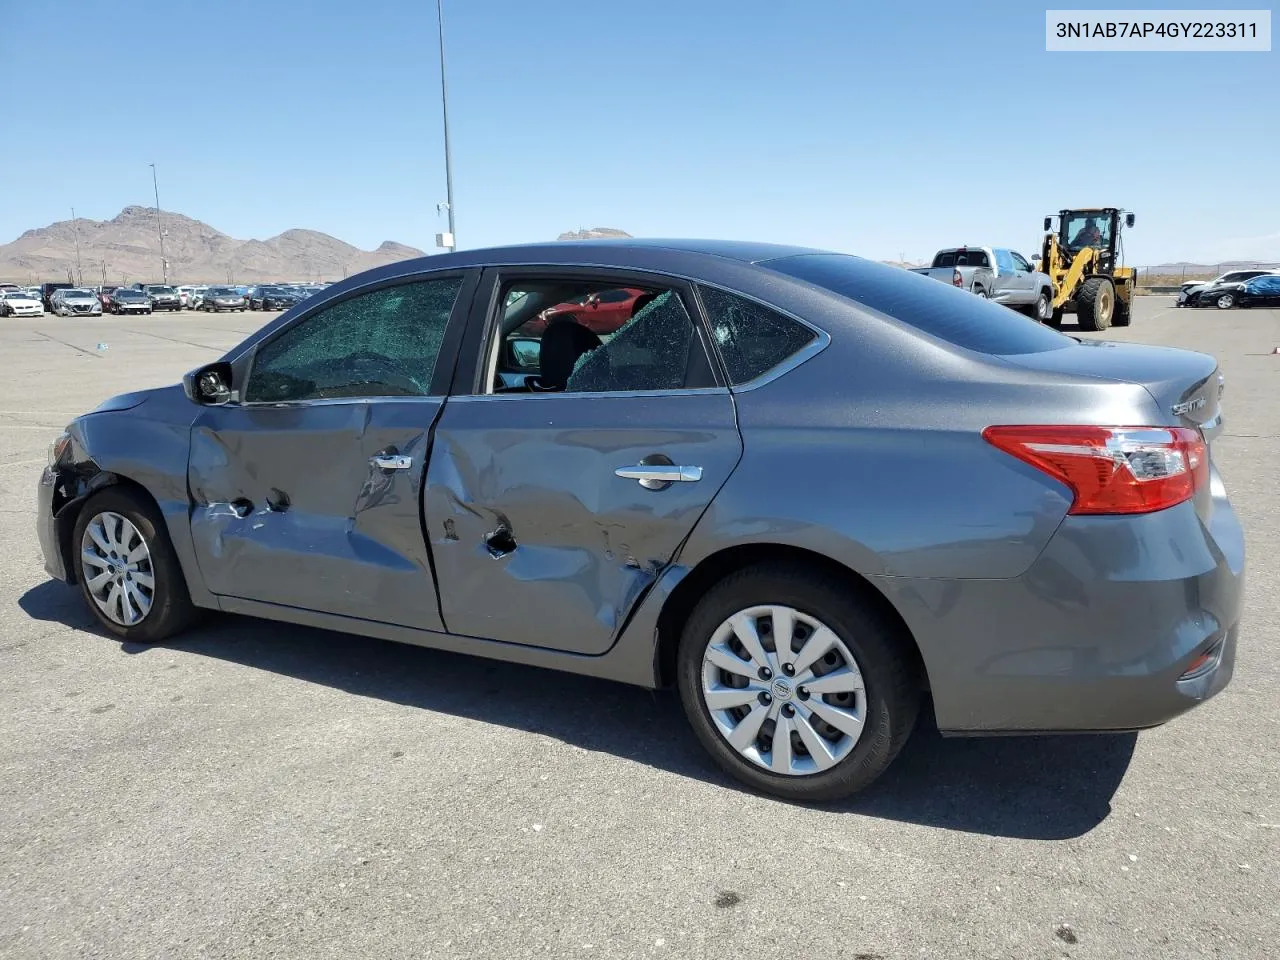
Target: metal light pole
451, 237
164, 264
75, 227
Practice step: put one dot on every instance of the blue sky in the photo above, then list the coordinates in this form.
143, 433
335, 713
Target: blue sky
880, 129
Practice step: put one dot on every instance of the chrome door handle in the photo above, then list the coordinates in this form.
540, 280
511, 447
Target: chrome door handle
391, 461
660, 473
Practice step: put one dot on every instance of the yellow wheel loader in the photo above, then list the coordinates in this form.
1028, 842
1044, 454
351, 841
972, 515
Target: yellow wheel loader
1083, 259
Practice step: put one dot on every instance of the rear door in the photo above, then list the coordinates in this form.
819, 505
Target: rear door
551, 512
307, 492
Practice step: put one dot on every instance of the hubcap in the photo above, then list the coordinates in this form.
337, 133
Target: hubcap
1104, 306
116, 565
1045, 310
1225, 302
807, 714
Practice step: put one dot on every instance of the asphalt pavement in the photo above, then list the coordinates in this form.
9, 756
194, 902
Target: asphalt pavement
263, 790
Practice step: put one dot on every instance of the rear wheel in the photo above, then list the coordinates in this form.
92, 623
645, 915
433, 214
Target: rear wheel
979, 292
1226, 301
793, 685
1123, 314
127, 569
1095, 303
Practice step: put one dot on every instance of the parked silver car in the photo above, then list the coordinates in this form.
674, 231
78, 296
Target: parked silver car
997, 273
805, 489
75, 302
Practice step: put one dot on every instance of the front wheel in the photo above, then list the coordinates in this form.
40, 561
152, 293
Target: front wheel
1226, 301
1043, 309
128, 571
1095, 303
794, 685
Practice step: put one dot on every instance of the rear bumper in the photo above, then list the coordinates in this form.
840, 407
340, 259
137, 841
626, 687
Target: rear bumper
1096, 635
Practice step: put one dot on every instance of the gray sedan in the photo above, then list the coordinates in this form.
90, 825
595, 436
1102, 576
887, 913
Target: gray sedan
807, 490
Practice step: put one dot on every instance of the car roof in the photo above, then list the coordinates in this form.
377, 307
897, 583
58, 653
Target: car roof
639, 252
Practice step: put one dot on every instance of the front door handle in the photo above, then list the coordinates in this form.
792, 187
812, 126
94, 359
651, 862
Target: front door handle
391, 461
655, 476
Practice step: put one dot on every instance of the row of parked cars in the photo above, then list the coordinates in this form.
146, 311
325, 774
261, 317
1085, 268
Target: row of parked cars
1236, 288
65, 300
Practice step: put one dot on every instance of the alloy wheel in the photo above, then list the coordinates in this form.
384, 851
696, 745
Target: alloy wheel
783, 690
116, 564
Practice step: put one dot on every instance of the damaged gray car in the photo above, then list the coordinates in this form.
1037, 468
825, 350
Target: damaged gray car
808, 490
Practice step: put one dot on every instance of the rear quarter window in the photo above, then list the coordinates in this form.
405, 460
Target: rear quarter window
937, 309
752, 339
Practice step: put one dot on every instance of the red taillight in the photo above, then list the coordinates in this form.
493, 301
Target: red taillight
1113, 469
957, 278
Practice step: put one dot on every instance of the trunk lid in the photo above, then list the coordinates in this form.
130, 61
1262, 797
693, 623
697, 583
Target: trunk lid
1185, 385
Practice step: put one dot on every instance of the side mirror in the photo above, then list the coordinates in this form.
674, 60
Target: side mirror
1048, 222
1128, 219
209, 385
525, 352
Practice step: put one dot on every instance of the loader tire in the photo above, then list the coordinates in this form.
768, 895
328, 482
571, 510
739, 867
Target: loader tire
1095, 304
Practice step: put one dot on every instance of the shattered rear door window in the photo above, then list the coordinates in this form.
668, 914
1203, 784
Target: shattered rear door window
648, 352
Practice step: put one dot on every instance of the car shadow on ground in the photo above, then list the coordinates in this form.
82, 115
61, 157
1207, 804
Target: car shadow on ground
1045, 788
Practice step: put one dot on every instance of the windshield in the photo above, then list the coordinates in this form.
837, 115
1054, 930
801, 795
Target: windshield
937, 309
128, 294
76, 293
1087, 230
222, 292
160, 289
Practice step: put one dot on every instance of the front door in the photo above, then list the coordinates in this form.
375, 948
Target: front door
552, 507
307, 492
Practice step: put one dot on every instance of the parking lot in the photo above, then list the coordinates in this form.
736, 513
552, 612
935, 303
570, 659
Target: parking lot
268, 790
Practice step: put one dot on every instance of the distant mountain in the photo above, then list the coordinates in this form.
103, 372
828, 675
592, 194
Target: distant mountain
1183, 266
595, 233
130, 247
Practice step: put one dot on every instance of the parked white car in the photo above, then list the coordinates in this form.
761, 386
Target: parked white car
75, 302
195, 297
19, 303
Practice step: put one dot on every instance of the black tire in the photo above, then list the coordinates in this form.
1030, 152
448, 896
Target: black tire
1124, 313
1041, 310
889, 674
979, 292
1225, 301
1095, 303
171, 608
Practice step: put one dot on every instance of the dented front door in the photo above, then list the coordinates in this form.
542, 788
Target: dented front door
316, 506
537, 538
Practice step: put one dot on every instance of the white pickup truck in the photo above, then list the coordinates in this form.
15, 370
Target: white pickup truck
997, 273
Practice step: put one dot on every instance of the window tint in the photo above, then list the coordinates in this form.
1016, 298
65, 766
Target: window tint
648, 352
752, 339
938, 309
379, 344
1020, 261
945, 259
